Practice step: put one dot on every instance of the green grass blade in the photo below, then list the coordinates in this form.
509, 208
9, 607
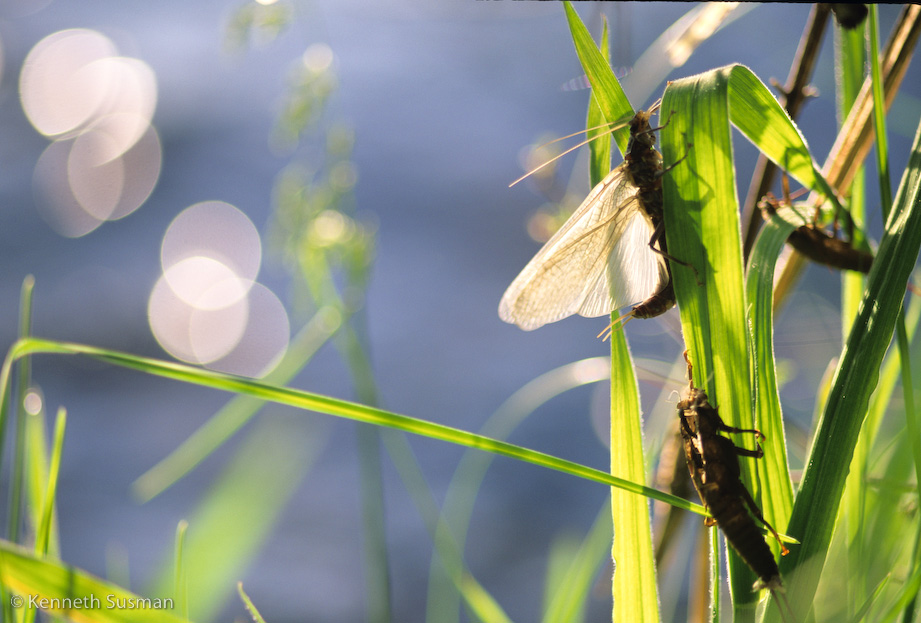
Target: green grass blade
37, 469
328, 405
24, 378
180, 582
879, 116
777, 492
851, 60
468, 477
875, 594
481, 603
852, 64
763, 121
43, 535
606, 90
90, 599
714, 541
248, 603
855, 379
563, 549
909, 593
635, 595
567, 593
237, 412
889, 377
44, 505
232, 522
599, 149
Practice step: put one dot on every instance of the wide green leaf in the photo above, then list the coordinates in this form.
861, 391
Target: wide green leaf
701, 212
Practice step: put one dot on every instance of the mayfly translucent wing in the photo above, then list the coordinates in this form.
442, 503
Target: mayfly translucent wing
581, 269
603, 257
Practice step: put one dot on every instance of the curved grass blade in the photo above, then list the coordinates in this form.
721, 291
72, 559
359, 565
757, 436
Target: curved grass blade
248, 603
465, 484
855, 379
701, 213
328, 405
701, 210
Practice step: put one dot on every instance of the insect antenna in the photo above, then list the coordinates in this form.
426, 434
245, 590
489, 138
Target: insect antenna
611, 128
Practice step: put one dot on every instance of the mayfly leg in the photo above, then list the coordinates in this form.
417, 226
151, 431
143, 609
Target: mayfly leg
658, 236
753, 507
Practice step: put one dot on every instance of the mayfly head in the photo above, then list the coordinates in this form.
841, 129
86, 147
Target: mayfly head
642, 135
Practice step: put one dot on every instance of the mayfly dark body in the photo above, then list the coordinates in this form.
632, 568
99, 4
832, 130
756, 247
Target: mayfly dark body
714, 466
609, 254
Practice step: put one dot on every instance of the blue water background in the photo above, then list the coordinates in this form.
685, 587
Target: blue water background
442, 97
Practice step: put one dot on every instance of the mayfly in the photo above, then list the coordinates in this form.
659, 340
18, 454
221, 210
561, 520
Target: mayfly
714, 466
609, 254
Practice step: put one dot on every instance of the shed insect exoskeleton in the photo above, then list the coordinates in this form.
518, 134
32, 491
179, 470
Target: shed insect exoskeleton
714, 467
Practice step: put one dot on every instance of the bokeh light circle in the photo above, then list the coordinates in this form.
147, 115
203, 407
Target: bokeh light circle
207, 308
57, 95
205, 283
217, 230
77, 188
171, 320
248, 337
54, 198
76, 90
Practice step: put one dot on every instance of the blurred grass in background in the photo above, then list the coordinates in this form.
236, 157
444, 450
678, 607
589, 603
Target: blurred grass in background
328, 252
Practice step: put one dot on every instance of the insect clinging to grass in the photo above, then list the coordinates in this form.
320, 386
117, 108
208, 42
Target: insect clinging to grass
610, 254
